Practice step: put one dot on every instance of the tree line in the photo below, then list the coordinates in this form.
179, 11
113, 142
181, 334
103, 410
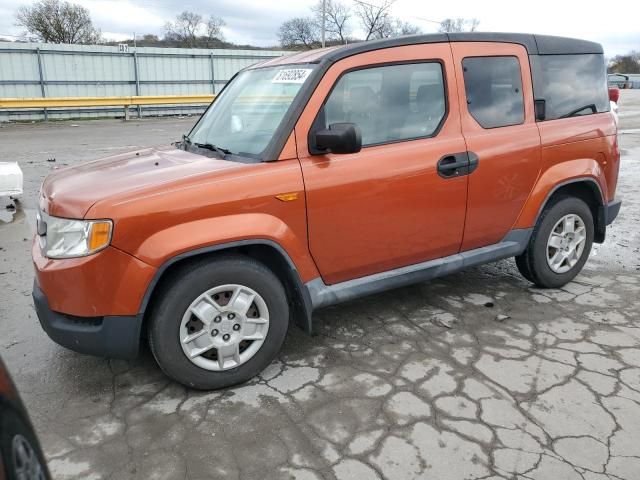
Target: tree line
629, 63
60, 21
375, 20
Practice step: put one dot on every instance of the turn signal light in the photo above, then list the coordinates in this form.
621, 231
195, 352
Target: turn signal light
287, 197
100, 235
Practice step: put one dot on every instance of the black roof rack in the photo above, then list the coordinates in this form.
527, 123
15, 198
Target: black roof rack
535, 44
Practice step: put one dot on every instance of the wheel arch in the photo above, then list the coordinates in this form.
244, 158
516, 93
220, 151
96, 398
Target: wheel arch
268, 252
587, 189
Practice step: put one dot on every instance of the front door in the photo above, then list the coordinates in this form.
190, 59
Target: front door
496, 98
396, 202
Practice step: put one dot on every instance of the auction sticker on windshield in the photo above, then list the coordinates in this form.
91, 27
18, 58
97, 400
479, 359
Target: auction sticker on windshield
292, 75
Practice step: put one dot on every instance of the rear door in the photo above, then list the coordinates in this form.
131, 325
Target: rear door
386, 206
497, 117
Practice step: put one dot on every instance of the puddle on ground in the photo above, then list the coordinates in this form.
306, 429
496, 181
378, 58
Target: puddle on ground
16, 214
6, 216
16, 225
8, 210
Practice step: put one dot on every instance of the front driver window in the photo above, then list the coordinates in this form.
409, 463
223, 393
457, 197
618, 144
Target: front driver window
389, 103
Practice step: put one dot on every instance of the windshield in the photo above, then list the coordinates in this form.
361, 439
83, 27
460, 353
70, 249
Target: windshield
244, 117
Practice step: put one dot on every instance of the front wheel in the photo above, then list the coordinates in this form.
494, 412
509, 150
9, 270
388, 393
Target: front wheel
559, 245
219, 322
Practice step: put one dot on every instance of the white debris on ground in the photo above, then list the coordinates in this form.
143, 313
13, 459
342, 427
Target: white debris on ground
11, 179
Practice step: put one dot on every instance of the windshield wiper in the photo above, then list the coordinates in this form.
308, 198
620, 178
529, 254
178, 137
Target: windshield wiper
591, 106
208, 146
214, 148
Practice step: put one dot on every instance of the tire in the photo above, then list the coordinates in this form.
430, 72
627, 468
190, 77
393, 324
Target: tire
533, 263
19, 448
180, 296
523, 267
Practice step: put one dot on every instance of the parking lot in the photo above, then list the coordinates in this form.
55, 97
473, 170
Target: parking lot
476, 375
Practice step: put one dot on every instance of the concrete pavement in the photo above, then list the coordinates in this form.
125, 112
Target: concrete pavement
476, 375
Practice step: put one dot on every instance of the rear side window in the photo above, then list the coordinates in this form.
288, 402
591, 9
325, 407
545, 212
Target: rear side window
570, 85
494, 90
389, 103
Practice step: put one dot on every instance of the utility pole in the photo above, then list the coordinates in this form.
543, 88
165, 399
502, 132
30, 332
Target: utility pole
324, 16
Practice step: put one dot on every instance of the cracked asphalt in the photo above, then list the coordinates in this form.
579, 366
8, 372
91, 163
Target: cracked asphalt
476, 375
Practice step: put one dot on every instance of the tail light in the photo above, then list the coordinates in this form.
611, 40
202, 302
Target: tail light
614, 94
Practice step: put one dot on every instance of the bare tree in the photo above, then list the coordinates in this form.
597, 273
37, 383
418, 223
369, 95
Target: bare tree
473, 24
376, 20
214, 29
452, 25
299, 32
459, 25
396, 28
190, 30
337, 16
54, 21
405, 28
184, 29
629, 63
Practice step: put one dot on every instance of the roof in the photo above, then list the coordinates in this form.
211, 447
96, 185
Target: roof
535, 45
307, 56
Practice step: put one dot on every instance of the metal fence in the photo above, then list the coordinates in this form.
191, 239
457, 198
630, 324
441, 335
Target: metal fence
48, 70
624, 80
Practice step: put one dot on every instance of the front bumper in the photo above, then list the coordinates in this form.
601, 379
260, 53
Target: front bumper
108, 336
107, 283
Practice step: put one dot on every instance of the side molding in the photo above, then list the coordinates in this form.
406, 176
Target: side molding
316, 294
323, 295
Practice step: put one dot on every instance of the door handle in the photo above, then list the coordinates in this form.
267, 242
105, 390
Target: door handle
457, 164
473, 161
453, 165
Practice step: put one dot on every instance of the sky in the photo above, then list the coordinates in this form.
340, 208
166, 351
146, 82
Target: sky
256, 21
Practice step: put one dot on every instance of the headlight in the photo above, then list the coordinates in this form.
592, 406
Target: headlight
66, 238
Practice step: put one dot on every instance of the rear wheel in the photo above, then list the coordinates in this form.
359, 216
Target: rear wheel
219, 322
560, 244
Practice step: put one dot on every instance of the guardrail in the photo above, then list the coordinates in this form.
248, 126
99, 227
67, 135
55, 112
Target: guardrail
125, 102
48, 70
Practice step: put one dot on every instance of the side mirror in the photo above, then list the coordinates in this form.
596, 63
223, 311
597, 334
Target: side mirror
540, 109
339, 138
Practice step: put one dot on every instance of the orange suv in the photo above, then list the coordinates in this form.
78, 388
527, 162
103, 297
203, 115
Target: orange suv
323, 176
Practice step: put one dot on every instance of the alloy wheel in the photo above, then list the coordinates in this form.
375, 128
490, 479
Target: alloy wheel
224, 327
25, 460
566, 242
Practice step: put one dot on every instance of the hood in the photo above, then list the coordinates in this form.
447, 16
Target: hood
70, 192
